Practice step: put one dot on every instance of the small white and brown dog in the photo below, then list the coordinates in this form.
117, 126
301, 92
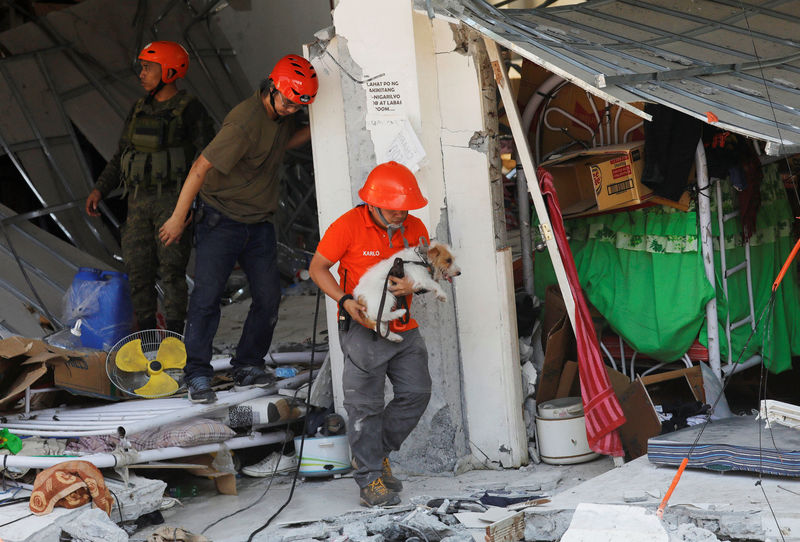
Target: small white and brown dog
423, 265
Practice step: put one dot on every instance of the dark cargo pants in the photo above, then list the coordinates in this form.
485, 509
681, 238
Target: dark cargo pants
146, 257
373, 429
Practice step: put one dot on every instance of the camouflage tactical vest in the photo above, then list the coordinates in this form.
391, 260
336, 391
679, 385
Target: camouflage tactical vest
158, 152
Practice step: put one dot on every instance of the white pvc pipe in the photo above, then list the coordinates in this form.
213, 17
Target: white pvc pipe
184, 409
224, 363
108, 460
631, 129
616, 125
573, 119
523, 207
597, 118
544, 90
707, 250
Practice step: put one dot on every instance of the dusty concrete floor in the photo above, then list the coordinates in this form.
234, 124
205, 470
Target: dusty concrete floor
318, 498
295, 321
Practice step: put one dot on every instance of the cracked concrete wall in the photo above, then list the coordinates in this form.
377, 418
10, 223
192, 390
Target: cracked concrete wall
473, 182
443, 96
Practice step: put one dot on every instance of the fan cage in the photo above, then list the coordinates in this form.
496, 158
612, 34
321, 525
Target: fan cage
128, 381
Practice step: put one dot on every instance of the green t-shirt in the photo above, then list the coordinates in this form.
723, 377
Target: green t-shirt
246, 154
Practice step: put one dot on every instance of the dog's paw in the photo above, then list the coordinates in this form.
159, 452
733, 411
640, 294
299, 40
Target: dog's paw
442, 296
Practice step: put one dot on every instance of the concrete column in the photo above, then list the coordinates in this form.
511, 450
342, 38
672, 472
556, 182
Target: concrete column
397, 70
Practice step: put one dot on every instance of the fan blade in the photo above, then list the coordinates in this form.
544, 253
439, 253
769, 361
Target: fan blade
159, 385
130, 357
172, 353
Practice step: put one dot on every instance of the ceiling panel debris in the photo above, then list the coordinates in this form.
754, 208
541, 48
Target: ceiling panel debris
738, 60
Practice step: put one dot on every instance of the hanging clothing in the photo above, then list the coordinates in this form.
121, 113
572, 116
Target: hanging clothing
601, 407
670, 141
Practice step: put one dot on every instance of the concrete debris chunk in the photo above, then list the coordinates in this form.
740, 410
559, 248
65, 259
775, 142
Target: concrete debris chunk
614, 523
687, 532
355, 531
94, 525
634, 495
380, 525
315, 530
141, 496
459, 537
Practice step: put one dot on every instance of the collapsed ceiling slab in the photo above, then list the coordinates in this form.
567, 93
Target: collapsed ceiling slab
72, 71
739, 61
38, 269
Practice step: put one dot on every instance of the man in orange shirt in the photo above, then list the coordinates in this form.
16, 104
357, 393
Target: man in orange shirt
357, 240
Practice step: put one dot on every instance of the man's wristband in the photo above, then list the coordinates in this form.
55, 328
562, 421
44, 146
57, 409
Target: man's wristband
342, 300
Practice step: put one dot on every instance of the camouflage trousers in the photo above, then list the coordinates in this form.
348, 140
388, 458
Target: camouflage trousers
147, 259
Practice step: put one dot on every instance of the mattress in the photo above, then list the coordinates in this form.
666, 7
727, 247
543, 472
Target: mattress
740, 443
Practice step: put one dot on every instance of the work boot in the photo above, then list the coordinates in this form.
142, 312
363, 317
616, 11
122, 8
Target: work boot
175, 326
246, 378
391, 483
377, 494
200, 390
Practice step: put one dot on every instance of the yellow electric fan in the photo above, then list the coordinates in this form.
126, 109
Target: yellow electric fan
147, 363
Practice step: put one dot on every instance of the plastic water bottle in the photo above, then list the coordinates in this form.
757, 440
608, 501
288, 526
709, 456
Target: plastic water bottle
285, 372
69, 339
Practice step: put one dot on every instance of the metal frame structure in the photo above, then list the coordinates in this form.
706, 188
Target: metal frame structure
699, 56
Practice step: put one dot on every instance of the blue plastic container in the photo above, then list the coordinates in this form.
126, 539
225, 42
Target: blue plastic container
102, 300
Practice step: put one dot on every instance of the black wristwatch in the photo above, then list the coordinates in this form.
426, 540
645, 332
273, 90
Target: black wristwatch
342, 299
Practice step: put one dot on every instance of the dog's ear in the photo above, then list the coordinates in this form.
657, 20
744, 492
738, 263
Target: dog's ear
434, 251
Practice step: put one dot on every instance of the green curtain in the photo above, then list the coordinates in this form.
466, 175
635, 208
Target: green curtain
643, 272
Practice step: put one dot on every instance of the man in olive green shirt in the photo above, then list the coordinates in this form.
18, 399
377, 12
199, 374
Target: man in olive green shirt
236, 179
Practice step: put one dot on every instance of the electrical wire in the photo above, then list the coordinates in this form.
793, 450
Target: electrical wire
272, 477
769, 100
303, 438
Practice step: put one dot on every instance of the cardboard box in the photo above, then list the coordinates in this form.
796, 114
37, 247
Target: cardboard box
638, 398
601, 178
25, 362
86, 375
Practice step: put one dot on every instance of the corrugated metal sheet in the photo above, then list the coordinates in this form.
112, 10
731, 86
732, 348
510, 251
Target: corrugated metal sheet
739, 60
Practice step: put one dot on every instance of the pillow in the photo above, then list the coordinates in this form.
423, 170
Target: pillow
194, 432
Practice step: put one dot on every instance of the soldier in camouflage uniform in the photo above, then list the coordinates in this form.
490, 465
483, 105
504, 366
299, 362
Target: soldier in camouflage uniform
163, 133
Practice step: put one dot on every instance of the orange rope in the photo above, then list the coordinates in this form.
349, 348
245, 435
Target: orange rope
786, 265
672, 487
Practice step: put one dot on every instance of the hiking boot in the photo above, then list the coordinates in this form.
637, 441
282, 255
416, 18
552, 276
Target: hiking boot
391, 483
200, 390
246, 378
377, 494
274, 463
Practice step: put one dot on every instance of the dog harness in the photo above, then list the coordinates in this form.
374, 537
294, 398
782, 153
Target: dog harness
398, 271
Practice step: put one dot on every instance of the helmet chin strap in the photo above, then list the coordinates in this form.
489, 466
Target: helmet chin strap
155, 91
272, 92
391, 228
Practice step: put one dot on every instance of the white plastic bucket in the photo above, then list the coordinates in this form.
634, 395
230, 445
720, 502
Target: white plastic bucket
561, 432
324, 456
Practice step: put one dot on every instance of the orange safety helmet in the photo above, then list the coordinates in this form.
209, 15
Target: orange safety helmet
296, 79
172, 57
392, 186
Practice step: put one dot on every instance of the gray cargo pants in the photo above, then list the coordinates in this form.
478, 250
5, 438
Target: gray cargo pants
373, 429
